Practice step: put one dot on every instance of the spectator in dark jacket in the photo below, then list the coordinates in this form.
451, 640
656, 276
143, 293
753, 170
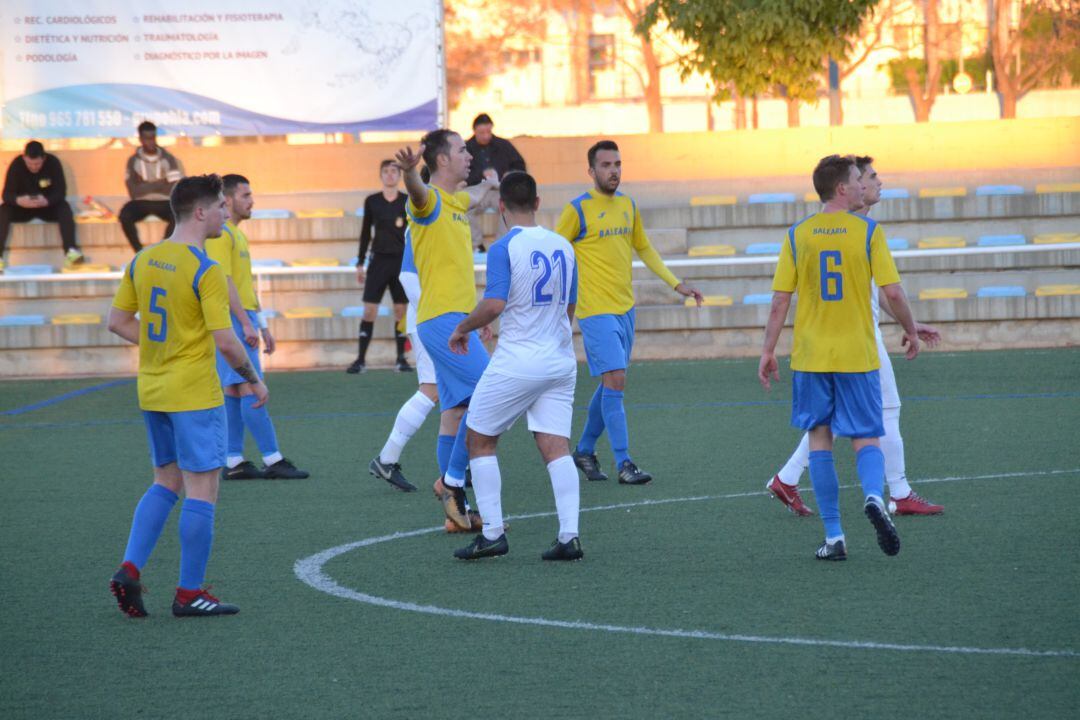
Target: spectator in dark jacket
492, 157
35, 189
150, 175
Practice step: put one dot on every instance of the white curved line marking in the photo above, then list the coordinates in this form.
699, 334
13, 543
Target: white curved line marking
309, 570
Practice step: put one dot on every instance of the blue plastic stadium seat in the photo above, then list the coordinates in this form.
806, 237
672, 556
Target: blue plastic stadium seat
999, 190
352, 311
758, 198
894, 194
267, 262
757, 299
763, 249
360, 212
268, 314
30, 270
993, 291
8, 320
353, 261
270, 214
898, 243
998, 240
479, 258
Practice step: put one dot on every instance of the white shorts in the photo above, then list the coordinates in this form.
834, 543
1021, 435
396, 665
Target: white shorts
499, 400
890, 396
425, 369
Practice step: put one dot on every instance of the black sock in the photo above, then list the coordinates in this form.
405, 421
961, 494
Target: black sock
399, 339
366, 329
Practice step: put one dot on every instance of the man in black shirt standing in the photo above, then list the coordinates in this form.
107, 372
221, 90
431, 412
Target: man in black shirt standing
35, 188
489, 153
384, 212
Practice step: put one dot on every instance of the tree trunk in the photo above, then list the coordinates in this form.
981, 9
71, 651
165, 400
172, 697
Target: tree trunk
740, 109
918, 101
1003, 59
792, 107
753, 111
653, 97
1008, 105
580, 21
931, 51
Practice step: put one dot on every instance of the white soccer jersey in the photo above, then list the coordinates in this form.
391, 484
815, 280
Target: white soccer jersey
535, 272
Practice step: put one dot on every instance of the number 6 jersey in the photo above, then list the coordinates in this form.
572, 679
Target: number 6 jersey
181, 297
829, 260
534, 271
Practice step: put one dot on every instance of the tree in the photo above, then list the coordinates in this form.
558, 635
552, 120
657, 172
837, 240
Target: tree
1038, 48
759, 45
922, 88
634, 11
868, 39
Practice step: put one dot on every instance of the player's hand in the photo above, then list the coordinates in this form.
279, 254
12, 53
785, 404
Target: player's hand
251, 335
407, 160
261, 393
360, 274
687, 291
25, 201
491, 176
928, 334
768, 368
911, 342
486, 334
269, 343
459, 342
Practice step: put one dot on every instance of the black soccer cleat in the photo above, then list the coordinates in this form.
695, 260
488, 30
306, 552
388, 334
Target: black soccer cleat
631, 474
832, 551
128, 593
244, 471
202, 605
563, 551
887, 538
283, 469
391, 473
403, 366
589, 465
481, 547
357, 367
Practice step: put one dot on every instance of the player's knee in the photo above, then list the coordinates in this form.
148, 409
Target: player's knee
480, 445
615, 380
552, 447
371, 311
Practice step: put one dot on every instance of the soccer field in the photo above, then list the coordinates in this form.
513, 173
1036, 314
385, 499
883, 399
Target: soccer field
698, 596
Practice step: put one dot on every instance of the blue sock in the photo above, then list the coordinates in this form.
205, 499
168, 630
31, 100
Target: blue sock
459, 456
594, 424
150, 516
870, 464
196, 537
259, 423
826, 490
611, 402
235, 420
443, 450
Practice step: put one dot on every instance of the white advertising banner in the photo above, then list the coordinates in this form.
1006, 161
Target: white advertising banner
85, 68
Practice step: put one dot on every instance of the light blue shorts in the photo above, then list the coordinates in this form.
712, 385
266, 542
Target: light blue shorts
608, 340
195, 439
849, 403
225, 372
455, 375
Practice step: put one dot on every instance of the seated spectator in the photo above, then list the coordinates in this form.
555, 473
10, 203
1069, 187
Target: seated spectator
151, 173
35, 188
492, 158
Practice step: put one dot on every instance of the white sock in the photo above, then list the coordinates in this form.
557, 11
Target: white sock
409, 419
892, 447
565, 486
487, 486
799, 461
233, 460
272, 458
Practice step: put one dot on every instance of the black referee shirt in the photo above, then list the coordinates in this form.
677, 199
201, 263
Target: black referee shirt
388, 220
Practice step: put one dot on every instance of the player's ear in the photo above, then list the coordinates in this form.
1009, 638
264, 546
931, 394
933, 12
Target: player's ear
502, 207
536, 204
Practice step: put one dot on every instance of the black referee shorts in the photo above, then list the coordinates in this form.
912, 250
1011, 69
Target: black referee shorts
382, 273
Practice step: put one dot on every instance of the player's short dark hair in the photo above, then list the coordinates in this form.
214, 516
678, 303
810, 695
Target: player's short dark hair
518, 191
831, 171
384, 163
862, 162
231, 181
482, 119
191, 191
147, 126
34, 150
602, 145
436, 143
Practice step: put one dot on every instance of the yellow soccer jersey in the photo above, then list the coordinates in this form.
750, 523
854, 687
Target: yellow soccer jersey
829, 260
181, 296
603, 230
230, 251
442, 249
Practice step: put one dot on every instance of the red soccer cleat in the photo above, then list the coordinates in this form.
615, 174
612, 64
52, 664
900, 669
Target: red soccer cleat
915, 505
789, 495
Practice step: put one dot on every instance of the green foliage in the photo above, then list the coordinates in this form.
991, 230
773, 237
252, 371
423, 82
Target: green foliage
975, 66
758, 44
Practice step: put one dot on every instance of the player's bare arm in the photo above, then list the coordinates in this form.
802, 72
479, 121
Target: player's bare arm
927, 333
688, 291
124, 324
901, 310
234, 353
571, 308
482, 316
768, 367
251, 337
488, 186
409, 162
